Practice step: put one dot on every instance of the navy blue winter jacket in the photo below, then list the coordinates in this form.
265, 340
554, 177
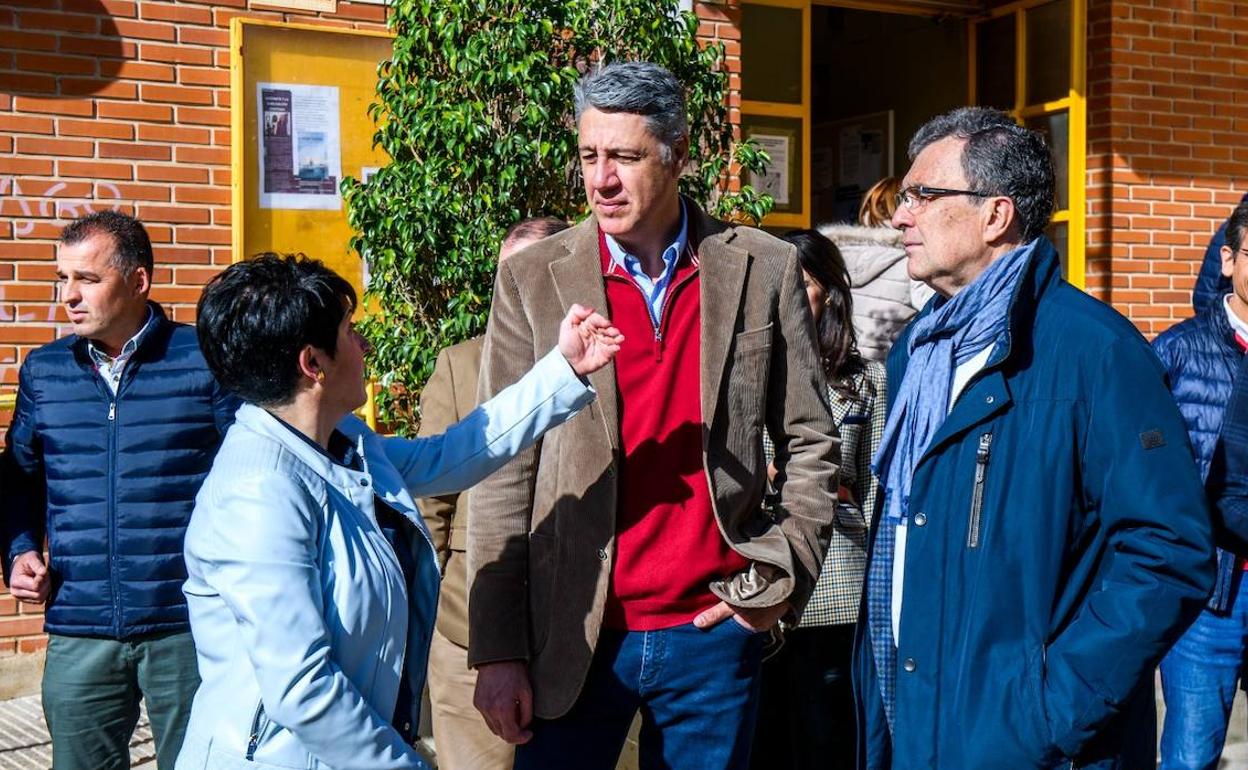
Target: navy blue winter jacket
1059, 544
112, 479
1201, 358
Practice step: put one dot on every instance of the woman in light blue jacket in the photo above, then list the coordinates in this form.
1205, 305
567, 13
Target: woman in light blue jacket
312, 583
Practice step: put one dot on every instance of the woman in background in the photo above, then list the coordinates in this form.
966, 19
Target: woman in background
806, 713
312, 582
885, 299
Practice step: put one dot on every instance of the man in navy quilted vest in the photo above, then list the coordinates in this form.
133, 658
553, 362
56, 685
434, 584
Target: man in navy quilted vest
115, 427
1202, 356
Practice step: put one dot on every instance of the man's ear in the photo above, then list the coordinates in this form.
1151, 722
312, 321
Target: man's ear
1000, 219
680, 154
1228, 261
141, 281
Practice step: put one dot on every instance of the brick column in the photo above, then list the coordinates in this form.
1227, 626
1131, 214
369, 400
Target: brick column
1167, 114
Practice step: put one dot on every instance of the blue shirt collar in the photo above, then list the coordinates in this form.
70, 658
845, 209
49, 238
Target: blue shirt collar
671, 255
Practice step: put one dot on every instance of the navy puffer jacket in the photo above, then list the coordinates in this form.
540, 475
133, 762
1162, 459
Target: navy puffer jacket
113, 479
1201, 358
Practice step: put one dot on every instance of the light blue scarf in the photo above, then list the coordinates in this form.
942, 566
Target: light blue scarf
950, 335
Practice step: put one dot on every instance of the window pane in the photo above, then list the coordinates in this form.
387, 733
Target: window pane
1058, 232
1056, 130
1048, 52
995, 45
771, 54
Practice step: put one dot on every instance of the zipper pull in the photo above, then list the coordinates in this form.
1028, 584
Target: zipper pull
112, 411
985, 444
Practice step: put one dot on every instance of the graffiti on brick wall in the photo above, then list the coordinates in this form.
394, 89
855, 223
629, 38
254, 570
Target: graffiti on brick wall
44, 200
45, 203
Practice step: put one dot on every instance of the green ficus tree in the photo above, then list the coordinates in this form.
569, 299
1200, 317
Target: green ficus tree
475, 111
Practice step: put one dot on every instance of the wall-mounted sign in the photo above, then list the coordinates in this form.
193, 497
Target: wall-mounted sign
300, 148
775, 180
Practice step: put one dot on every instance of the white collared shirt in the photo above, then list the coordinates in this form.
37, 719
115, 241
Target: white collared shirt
110, 368
1238, 325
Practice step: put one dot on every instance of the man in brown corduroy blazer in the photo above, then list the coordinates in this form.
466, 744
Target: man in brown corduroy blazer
461, 738
626, 564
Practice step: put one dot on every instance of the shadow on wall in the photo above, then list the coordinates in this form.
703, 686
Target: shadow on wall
66, 54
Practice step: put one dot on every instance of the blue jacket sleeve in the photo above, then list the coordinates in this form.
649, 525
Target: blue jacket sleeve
25, 487
493, 433
1157, 563
1228, 473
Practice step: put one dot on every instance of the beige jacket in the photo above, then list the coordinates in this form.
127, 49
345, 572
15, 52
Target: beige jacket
448, 397
542, 530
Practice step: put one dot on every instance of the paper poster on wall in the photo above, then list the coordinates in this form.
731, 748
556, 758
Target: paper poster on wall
862, 156
300, 146
775, 180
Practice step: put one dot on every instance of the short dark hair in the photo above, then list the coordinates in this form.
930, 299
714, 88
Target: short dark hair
534, 229
1000, 157
132, 248
256, 315
1236, 226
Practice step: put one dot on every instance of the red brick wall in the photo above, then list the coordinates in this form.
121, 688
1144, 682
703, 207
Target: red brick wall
125, 104
1167, 120
114, 104
720, 22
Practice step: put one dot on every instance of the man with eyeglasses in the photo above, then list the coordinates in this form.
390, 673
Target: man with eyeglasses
1202, 356
1045, 536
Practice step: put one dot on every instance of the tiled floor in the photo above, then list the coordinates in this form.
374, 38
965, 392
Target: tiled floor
25, 745
24, 742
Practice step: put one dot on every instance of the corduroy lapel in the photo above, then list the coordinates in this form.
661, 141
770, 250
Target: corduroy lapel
722, 268
578, 279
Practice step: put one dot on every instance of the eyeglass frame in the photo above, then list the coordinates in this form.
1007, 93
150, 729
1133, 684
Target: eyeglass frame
921, 192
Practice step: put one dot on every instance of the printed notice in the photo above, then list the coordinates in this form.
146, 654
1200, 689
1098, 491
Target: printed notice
300, 149
775, 180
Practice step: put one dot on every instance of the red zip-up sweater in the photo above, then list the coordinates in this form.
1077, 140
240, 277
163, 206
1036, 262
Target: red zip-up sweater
668, 546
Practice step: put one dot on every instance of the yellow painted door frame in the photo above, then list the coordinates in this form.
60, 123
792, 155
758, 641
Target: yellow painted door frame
1075, 215
794, 111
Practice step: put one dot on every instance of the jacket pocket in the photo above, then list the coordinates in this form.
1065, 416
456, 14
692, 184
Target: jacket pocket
258, 723
748, 375
975, 522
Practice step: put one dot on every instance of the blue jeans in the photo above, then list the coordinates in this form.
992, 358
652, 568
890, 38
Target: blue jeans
697, 692
1198, 678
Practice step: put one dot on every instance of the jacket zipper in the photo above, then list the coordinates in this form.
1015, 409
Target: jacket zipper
254, 741
977, 492
113, 581
667, 301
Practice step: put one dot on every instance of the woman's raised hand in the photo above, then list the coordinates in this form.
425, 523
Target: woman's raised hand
588, 340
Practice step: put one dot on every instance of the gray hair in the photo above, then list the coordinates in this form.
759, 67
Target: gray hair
640, 88
1000, 157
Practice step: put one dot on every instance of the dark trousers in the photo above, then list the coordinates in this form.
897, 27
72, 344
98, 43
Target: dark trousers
91, 693
697, 692
806, 710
